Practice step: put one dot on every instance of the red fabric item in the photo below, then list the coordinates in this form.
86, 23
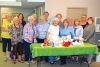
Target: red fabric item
66, 44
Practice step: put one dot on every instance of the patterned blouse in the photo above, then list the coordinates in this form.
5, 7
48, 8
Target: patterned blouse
16, 34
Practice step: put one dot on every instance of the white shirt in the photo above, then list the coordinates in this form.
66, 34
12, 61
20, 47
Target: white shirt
53, 33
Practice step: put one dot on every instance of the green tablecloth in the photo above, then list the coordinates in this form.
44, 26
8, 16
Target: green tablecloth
37, 50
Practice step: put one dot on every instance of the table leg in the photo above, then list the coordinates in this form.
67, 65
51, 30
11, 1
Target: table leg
38, 62
29, 64
82, 60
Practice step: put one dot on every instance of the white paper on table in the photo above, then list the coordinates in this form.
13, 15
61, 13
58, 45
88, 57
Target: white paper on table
98, 57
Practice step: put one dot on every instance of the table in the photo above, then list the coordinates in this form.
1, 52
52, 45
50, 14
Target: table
87, 49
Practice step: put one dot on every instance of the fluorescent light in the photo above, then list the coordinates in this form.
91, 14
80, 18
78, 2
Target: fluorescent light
36, 0
10, 3
9, 0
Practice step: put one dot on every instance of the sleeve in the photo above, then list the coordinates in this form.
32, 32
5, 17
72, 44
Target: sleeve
25, 32
35, 31
21, 32
72, 33
60, 32
49, 29
91, 33
81, 32
3, 26
11, 32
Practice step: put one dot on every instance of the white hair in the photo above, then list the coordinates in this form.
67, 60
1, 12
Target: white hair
55, 19
31, 17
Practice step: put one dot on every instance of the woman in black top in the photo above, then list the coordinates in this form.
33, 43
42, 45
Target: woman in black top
21, 18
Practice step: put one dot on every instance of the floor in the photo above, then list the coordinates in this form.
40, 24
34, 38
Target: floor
9, 63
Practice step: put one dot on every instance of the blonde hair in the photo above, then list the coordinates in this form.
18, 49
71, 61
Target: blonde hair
77, 20
15, 18
42, 17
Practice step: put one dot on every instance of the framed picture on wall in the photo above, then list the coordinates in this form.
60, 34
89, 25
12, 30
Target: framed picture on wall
97, 24
75, 12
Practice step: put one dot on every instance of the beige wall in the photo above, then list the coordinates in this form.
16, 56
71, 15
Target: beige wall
60, 6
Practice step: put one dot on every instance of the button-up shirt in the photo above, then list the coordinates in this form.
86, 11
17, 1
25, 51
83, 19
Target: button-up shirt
28, 32
42, 30
79, 31
67, 31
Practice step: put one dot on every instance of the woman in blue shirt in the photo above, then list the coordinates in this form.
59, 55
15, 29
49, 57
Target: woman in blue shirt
42, 29
78, 30
65, 31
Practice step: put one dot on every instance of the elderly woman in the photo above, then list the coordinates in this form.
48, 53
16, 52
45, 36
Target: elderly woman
16, 39
89, 35
53, 35
42, 29
66, 31
6, 38
28, 36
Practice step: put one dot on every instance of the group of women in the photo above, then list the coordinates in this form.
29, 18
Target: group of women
19, 35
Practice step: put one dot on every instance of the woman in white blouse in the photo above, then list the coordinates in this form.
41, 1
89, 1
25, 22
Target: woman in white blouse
53, 36
53, 31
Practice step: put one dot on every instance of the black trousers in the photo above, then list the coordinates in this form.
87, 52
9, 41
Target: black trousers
17, 49
63, 59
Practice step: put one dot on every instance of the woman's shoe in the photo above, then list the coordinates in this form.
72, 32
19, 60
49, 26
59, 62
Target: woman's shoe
33, 61
26, 62
62, 63
21, 61
51, 63
14, 61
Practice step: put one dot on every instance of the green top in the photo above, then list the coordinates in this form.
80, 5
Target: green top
37, 50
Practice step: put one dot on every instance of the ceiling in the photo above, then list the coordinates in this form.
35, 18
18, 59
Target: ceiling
24, 4
31, 4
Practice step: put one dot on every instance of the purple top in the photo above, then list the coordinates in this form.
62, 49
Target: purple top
28, 33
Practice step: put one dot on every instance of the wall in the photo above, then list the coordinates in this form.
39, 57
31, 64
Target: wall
60, 6
14, 10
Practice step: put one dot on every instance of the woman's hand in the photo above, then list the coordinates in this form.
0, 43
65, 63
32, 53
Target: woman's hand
76, 38
81, 39
30, 38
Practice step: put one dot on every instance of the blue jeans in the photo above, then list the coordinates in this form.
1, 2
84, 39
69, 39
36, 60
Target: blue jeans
52, 58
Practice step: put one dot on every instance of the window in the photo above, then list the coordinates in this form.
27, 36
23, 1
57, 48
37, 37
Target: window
9, 0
